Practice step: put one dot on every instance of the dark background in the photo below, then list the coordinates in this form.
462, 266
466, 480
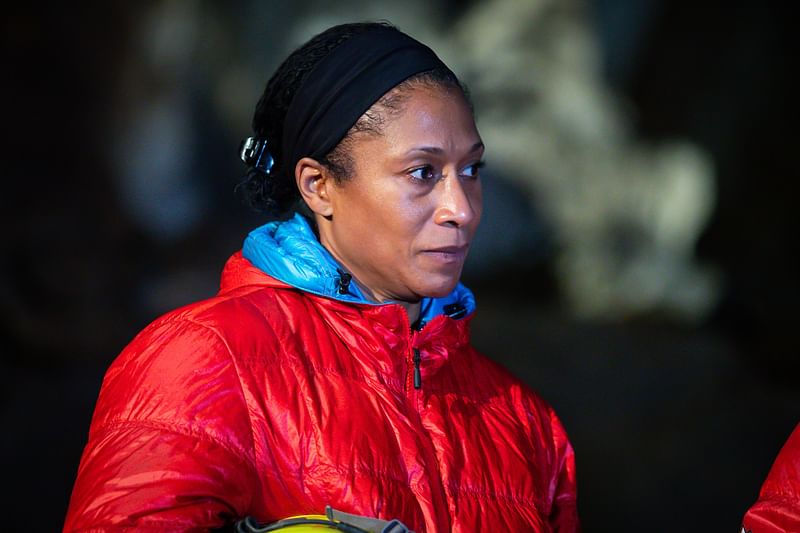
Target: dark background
675, 425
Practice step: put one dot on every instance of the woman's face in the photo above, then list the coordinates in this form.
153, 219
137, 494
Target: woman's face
402, 225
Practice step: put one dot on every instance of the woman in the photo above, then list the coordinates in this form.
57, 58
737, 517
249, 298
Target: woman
334, 366
777, 509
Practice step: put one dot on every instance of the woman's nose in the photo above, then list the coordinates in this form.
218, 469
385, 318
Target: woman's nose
459, 204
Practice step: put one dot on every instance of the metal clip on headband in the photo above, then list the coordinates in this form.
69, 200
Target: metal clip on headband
254, 153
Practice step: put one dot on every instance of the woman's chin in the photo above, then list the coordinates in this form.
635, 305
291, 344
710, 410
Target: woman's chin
438, 288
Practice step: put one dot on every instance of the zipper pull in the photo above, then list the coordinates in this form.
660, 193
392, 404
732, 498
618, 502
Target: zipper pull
417, 373
344, 282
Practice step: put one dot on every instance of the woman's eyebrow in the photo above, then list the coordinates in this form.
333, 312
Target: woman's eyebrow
438, 151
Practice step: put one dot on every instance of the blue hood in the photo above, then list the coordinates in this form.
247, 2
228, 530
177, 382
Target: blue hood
290, 252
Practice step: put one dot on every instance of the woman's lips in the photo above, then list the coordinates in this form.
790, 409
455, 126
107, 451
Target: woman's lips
448, 254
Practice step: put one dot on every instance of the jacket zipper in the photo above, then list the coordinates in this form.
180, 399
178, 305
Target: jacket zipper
454, 311
417, 372
414, 378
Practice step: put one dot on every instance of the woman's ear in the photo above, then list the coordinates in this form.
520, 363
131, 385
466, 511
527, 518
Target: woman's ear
313, 181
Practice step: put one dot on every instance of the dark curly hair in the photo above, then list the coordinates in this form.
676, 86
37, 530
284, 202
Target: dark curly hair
277, 194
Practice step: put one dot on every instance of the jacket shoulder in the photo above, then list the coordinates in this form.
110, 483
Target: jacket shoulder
252, 310
181, 372
171, 426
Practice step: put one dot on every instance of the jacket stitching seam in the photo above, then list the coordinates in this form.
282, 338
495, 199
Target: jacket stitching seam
175, 429
490, 494
377, 474
372, 472
251, 460
778, 497
148, 527
297, 362
293, 360
387, 379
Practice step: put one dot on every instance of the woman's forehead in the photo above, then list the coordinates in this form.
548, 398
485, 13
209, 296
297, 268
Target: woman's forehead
433, 114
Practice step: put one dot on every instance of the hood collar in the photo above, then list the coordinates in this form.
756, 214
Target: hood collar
289, 251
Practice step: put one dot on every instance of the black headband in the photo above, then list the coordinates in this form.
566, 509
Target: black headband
344, 85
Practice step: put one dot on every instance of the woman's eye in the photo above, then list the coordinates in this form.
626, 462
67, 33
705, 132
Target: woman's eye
424, 173
472, 170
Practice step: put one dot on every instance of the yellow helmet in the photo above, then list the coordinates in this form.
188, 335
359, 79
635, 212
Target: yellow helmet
310, 523
332, 521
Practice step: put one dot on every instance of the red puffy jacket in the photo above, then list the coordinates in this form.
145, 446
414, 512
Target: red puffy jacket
778, 507
270, 401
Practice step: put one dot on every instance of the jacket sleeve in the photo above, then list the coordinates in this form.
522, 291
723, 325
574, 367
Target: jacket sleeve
564, 512
778, 507
170, 445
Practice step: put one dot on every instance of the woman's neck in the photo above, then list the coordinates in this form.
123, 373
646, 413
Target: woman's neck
412, 308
